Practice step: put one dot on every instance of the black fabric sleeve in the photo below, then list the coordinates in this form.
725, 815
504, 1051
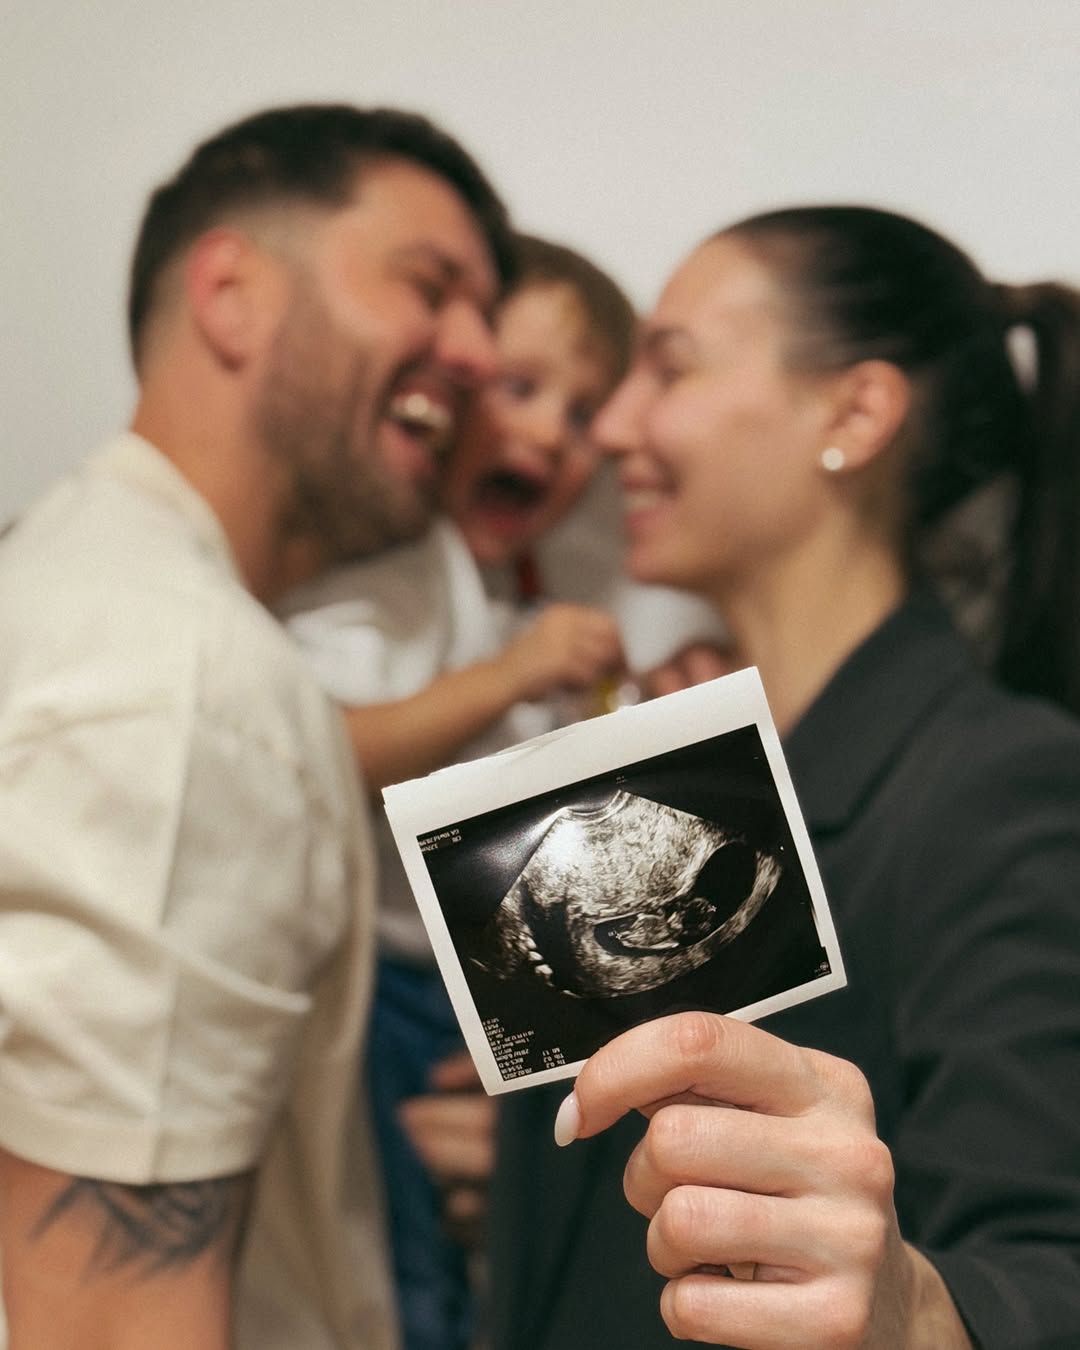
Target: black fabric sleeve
987, 1148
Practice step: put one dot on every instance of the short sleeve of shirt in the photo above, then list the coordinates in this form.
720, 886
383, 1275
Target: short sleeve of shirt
154, 961
175, 867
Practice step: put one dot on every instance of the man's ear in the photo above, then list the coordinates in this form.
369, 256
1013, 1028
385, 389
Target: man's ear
232, 293
871, 401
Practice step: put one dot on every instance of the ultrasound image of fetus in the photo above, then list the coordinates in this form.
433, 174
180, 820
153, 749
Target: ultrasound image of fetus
625, 896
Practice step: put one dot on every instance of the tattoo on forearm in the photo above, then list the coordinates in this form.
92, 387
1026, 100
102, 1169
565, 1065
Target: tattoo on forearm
154, 1228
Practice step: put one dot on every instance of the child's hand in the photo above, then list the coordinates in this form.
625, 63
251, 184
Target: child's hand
565, 647
452, 1129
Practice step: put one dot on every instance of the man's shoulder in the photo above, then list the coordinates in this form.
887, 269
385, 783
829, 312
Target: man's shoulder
97, 540
97, 573
111, 600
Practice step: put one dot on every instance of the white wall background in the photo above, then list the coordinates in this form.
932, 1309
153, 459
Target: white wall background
627, 127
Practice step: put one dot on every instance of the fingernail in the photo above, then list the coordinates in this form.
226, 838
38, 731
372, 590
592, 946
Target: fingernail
568, 1121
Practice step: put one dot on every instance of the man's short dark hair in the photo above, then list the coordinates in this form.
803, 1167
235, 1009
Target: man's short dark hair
304, 153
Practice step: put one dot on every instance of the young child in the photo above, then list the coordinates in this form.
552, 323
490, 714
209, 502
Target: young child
430, 669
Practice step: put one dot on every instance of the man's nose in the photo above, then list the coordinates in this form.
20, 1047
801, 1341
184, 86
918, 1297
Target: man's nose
465, 343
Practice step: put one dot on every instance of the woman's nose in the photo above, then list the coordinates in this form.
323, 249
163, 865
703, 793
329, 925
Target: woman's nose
616, 427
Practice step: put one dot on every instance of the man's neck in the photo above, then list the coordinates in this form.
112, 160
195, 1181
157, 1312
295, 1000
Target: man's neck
233, 477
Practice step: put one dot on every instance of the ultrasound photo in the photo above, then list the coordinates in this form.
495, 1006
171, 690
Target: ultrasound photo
573, 887
625, 895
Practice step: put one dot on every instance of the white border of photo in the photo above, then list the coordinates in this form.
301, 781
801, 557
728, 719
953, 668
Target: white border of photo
600, 745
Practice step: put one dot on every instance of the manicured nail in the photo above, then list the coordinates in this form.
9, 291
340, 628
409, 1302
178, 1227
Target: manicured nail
568, 1121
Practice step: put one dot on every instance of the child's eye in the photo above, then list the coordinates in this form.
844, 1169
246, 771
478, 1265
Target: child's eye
580, 416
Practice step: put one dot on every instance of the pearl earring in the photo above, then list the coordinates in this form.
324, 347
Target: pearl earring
833, 459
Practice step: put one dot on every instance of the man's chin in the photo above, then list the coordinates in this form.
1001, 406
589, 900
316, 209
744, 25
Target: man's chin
413, 458
382, 531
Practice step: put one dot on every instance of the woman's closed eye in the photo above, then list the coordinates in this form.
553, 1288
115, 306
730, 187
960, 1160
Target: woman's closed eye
666, 373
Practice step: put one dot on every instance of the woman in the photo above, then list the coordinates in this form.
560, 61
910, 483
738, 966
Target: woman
815, 390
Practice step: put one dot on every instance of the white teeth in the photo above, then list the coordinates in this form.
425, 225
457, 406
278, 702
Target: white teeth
420, 409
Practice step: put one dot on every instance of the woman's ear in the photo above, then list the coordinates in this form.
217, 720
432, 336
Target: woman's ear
231, 294
871, 401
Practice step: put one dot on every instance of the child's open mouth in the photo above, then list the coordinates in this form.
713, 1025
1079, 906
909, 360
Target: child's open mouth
509, 490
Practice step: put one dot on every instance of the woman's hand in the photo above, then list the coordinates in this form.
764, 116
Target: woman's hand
761, 1161
691, 665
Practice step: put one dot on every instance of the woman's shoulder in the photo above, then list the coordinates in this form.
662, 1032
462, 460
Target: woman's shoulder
989, 788
993, 737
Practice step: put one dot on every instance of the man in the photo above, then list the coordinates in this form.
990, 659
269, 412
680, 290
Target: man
184, 873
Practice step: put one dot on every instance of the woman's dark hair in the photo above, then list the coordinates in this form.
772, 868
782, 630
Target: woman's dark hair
306, 153
860, 284
608, 314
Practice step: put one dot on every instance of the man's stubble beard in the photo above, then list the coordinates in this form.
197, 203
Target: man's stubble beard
317, 413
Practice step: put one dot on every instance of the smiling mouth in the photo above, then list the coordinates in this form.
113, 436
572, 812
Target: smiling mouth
424, 419
642, 499
660, 931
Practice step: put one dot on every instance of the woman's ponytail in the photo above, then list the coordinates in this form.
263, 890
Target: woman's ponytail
1040, 646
